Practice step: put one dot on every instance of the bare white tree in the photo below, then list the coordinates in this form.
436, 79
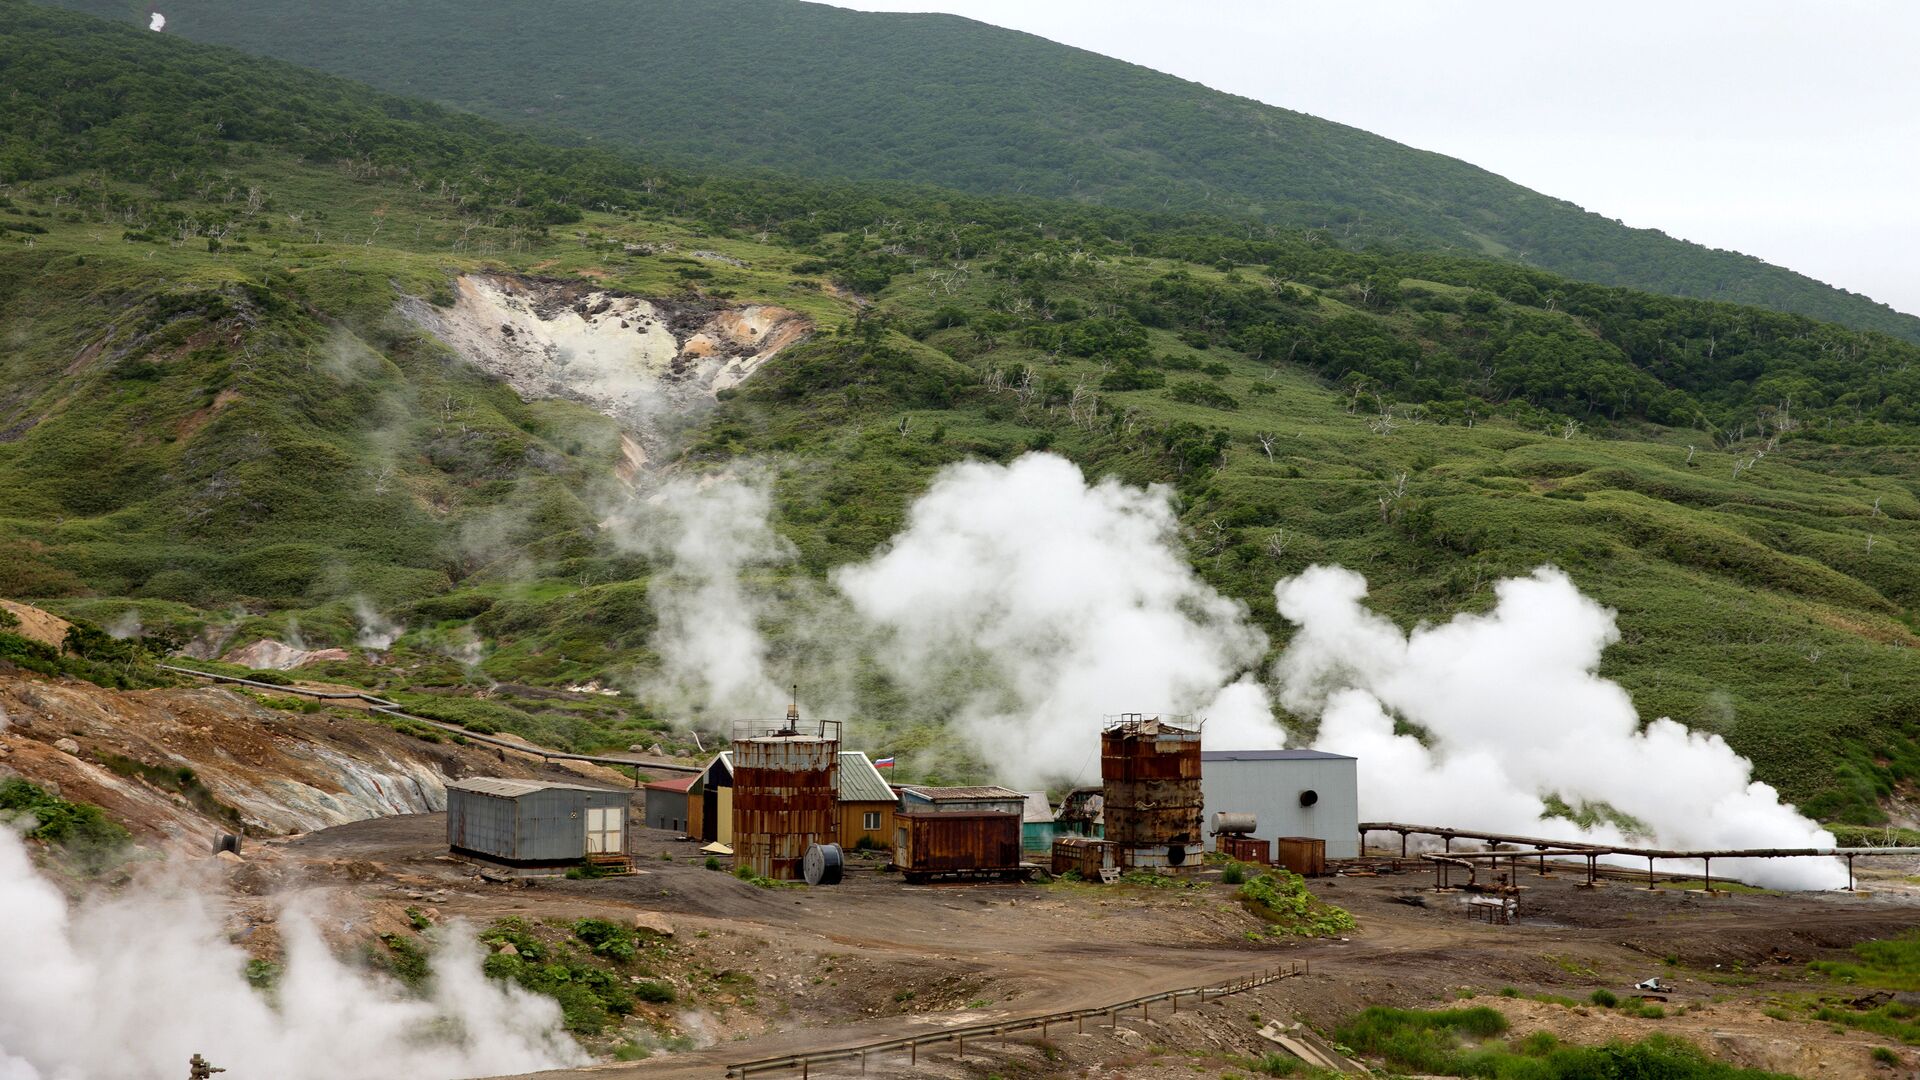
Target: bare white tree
1266, 444
1689, 454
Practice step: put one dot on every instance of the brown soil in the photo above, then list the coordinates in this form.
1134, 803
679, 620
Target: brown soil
761, 972
874, 958
36, 624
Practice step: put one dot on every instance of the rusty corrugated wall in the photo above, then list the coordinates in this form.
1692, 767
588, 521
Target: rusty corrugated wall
786, 797
1082, 855
952, 843
1244, 848
1150, 782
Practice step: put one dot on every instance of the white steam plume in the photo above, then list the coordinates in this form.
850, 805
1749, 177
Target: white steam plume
1514, 712
125, 625
156, 22
1032, 603
708, 533
134, 985
376, 631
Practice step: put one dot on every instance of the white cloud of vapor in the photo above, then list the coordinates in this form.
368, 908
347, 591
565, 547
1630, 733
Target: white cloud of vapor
1514, 711
132, 985
707, 534
1033, 603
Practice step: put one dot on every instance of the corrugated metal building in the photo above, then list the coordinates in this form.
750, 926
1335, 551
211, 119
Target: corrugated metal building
786, 793
710, 801
1150, 782
867, 802
668, 804
982, 799
532, 823
864, 793
1036, 824
1290, 792
957, 832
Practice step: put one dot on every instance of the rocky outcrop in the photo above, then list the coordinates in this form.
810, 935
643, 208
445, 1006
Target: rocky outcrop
283, 772
654, 365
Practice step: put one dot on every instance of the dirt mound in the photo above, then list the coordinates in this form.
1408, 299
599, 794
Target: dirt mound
277, 773
270, 655
36, 624
654, 365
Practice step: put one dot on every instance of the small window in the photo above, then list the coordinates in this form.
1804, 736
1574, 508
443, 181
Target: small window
870, 821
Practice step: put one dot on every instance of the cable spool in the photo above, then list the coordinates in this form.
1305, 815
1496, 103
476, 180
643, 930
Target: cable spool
1233, 824
823, 864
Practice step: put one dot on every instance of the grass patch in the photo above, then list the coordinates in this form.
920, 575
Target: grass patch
1886, 964
83, 830
1465, 1042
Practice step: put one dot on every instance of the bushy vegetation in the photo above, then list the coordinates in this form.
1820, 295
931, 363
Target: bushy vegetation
1280, 897
1462, 1042
939, 100
593, 996
81, 829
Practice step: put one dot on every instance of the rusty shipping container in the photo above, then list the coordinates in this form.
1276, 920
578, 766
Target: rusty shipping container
1082, 855
1304, 855
956, 844
1150, 783
786, 798
1243, 848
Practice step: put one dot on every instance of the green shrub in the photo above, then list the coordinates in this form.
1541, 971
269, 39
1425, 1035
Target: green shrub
606, 938
1280, 897
1233, 873
1604, 998
657, 993
81, 828
713, 862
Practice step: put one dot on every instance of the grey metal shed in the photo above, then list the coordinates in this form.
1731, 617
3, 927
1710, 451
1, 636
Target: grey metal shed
1290, 792
534, 823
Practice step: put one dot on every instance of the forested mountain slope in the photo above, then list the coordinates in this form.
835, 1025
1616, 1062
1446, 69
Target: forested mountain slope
222, 410
807, 89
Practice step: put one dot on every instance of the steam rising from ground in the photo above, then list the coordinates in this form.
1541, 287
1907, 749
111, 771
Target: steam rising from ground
1030, 604
1021, 604
1514, 712
708, 534
375, 631
156, 22
134, 985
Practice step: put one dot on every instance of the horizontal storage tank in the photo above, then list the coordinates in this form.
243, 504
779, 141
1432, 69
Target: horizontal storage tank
1235, 823
956, 844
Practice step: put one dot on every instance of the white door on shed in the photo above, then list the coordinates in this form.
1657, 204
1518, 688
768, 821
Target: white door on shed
604, 830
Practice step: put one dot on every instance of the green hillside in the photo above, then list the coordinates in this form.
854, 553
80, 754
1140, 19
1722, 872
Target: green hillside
212, 413
807, 89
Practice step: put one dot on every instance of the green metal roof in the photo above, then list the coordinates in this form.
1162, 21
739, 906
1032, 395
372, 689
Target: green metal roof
860, 781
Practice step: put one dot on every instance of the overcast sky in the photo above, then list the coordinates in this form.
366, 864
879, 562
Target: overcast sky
1790, 131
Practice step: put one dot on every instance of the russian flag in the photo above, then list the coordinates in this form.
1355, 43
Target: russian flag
883, 763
